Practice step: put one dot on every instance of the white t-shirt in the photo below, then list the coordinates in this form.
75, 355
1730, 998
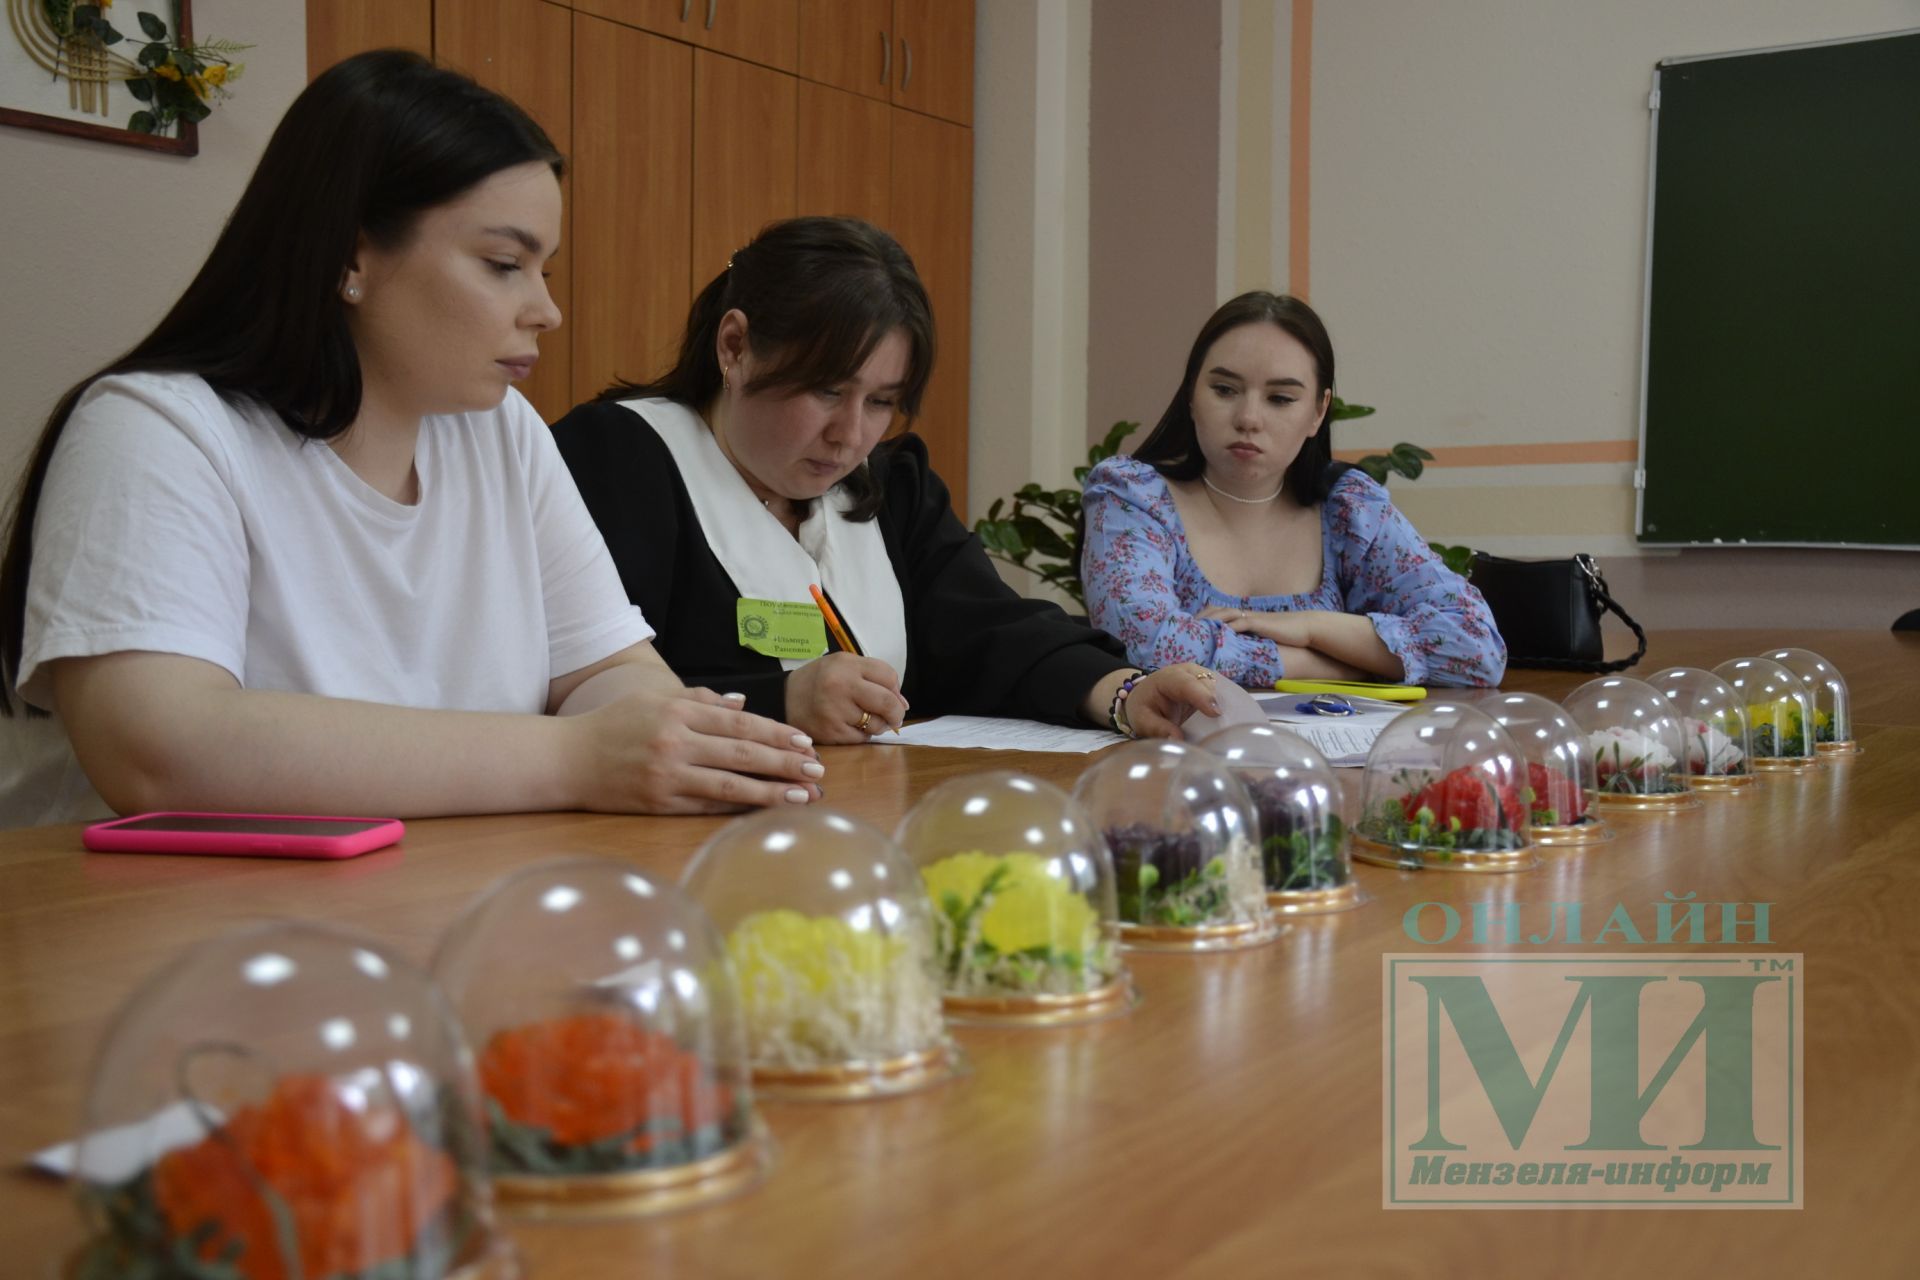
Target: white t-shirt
174, 521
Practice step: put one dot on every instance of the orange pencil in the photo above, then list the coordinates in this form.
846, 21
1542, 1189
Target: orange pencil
834, 624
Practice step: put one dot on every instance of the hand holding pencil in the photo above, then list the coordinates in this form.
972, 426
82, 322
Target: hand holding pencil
843, 697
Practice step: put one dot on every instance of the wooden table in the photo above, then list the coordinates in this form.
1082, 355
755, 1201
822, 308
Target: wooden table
1230, 1126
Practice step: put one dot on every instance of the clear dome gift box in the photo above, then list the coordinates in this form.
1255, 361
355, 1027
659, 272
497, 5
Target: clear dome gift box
606, 1029
1713, 721
1445, 788
1296, 802
1637, 743
1779, 714
1181, 830
1832, 708
1560, 778
831, 939
287, 1100
1022, 893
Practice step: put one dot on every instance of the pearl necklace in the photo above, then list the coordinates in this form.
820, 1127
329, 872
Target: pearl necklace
1252, 502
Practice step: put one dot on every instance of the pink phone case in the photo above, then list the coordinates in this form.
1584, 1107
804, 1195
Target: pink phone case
272, 836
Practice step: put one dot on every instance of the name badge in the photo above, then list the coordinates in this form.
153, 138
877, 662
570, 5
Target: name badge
781, 628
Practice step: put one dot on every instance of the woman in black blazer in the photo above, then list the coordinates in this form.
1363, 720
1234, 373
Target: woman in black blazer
757, 467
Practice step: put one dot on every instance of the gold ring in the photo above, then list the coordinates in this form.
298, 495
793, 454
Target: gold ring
1203, 674
866, 718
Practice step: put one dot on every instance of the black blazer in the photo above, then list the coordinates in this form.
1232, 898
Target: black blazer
975, 646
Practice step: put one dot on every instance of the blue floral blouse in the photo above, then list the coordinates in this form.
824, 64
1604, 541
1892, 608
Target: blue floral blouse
1144, 587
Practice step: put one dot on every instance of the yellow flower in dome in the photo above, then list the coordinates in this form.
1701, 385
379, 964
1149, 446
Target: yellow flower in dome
961, 875
1764, 713
167, 71
1821, 719
772, 948
1029, 908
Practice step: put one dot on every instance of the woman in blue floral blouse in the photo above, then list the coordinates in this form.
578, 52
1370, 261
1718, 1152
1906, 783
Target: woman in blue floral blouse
1232, 539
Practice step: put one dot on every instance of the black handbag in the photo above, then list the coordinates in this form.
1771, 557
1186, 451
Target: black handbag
1549, 612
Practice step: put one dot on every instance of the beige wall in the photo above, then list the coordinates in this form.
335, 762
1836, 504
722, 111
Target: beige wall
1028, 381
104, 238
1155, 200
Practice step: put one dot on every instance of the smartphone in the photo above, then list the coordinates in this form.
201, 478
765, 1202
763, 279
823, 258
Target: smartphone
245, 835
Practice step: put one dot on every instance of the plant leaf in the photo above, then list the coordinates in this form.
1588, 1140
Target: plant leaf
142, 122
141, 89
155, 29
1043, 537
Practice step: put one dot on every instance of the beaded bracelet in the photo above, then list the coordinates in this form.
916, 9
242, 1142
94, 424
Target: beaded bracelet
1117, 713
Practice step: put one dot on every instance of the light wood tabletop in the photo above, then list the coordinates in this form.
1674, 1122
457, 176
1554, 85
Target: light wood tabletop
1231, 1125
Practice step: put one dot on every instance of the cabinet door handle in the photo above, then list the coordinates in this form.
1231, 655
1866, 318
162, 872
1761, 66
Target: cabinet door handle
886, 58
686, 7
712, 5
906, 74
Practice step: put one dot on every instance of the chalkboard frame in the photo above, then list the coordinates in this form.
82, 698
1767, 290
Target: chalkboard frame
1691, 489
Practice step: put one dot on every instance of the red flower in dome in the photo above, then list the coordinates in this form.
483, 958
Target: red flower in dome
357, 1186
1474, 797
591, 1076
1554, 790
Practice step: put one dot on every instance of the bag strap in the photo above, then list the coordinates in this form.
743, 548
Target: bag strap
1597, 589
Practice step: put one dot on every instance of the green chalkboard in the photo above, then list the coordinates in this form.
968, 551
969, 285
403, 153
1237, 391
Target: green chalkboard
1783, 307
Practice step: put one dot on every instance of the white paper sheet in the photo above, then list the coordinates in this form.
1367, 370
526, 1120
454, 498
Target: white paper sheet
1343, 740
994, 734
118, 1154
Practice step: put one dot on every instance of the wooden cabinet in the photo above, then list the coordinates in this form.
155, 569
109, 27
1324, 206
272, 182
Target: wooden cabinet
933, 220
632, 202
933, 57
849, 45
916, 54
744, 120
763, 31
846, 154
339, 29
524, 49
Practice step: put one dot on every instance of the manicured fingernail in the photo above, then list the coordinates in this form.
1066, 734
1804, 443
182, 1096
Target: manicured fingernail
1213, 708
802, 741
796, 796
813, 769
734, 697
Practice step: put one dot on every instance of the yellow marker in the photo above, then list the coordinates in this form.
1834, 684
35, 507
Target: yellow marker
1354, 688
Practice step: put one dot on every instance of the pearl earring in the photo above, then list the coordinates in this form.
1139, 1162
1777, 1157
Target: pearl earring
353, 293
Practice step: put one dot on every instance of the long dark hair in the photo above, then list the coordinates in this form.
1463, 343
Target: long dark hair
366, 148
819, 295
1173, 447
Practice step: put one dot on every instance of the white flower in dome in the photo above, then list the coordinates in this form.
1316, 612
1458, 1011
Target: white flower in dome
1709, 750
1620, 749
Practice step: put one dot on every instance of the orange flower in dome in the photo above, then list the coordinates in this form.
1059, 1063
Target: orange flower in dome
591, 1076
359, 1186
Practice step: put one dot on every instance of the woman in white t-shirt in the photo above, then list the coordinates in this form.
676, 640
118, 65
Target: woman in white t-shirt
304, 550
